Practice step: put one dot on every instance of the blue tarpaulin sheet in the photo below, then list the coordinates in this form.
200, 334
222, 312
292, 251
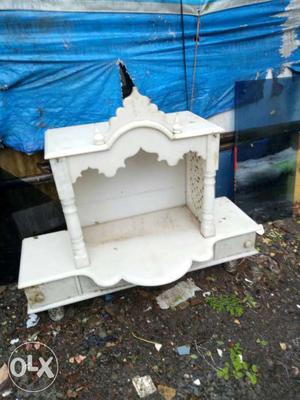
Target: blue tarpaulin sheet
59, 63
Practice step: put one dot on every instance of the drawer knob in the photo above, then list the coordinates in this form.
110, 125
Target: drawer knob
248, 244
39, 297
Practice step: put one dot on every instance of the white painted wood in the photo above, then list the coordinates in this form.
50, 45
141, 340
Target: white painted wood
53, 300
106, 147
195, 167
79, 139
151, 141
145, 185
138, 250
67, 199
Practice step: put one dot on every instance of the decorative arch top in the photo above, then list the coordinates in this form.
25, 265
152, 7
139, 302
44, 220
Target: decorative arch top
144, 125
137, 112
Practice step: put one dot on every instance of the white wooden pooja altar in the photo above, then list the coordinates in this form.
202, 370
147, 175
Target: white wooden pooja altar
138, 195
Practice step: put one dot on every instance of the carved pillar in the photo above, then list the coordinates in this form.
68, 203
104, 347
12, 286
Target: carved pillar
207, 220
211, 165
67, 198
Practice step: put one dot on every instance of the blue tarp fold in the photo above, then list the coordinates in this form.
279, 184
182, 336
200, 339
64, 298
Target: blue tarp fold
61, 68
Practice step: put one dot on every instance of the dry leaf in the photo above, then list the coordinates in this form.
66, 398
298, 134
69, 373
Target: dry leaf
3, 373
266, 240
71, 394
79, 358
236, 321
283, 346
166, 392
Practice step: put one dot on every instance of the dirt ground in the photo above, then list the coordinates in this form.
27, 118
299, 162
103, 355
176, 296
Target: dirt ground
104, 332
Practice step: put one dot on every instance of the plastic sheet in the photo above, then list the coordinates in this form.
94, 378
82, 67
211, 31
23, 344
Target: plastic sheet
61, 68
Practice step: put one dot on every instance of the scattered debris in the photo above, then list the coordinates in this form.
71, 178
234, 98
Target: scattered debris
197, 382
158, 346
32, 321
14, 341
205, 294
166, 392
33, 337
195, 301
179, 293
232, 266
56, 314
6, 393
95, 340
37, 345
184, 350
78, 359
262, 342
269, 262
184, 305
71, 394
283, 346
144, 385
220, 352
94, 324
3, 373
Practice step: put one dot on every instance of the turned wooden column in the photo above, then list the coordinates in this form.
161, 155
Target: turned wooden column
67, 198
209, 182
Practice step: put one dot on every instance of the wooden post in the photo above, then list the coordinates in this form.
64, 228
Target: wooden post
211, 164
67, 198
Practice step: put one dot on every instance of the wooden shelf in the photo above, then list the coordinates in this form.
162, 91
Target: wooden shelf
151, 249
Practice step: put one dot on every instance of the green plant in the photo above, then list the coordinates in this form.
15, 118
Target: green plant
238, 368
224, 372
229, 303
249, 301
262, 342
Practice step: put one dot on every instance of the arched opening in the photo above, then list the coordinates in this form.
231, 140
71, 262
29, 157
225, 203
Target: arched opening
144, 185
